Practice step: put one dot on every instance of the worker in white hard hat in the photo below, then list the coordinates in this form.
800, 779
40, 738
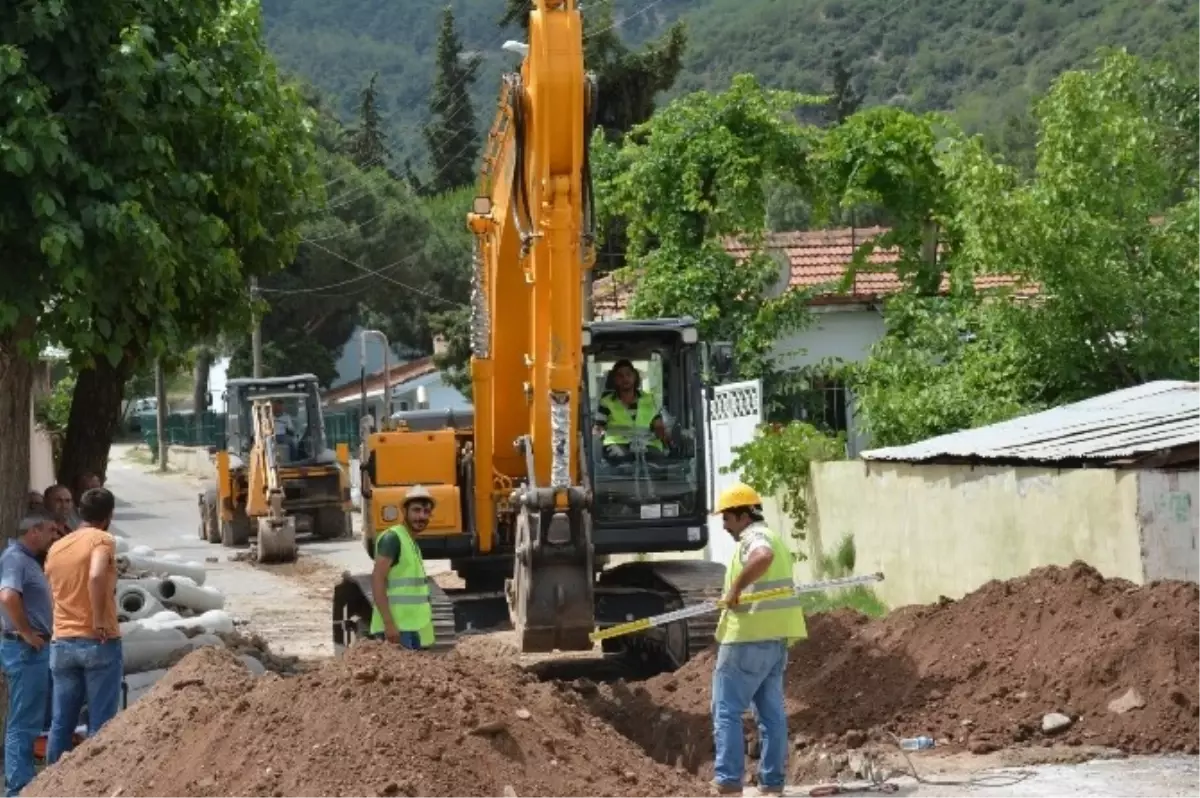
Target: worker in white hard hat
754, 638
399, 589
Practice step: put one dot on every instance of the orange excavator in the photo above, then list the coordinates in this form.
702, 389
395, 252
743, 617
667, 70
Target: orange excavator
548, 500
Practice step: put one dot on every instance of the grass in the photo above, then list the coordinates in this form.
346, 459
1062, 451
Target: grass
859, 598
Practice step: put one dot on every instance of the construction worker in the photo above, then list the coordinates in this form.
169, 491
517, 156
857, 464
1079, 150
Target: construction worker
623, 404
398, 581
754, 639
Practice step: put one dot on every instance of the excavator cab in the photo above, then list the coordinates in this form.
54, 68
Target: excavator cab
643, 442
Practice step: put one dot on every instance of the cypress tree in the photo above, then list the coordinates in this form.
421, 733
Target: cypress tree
450, 133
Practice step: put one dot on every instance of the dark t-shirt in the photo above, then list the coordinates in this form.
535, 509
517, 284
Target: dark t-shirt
388, 545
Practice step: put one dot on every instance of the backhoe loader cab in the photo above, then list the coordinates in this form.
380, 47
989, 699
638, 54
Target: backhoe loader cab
312, 478
643, 424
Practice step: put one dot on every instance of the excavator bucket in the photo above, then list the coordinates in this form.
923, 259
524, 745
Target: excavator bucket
276, 540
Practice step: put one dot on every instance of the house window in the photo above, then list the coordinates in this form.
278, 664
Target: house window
402, 405
824, 403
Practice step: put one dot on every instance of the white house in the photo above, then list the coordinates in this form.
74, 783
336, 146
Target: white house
846, 324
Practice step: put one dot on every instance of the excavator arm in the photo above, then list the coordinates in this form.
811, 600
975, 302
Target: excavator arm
264, 499
532, 223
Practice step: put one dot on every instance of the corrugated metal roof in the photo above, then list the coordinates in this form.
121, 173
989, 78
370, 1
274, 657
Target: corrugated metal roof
1136, 421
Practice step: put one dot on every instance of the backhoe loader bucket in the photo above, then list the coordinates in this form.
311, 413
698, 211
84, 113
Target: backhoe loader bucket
276, 540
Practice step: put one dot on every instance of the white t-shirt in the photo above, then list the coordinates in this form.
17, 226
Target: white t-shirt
753, 538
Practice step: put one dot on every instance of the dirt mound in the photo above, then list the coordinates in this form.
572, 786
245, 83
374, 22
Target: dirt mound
380, 721
979, 673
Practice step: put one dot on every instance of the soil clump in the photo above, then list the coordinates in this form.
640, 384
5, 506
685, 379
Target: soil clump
1120, 662
378, 721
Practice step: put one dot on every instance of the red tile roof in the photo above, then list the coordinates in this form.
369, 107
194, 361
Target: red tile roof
398, 376
815, 258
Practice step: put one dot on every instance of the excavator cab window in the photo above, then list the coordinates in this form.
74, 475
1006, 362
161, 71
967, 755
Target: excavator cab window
642, 429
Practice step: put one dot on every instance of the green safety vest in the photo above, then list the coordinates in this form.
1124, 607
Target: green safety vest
619, 416
407, 592
775, 619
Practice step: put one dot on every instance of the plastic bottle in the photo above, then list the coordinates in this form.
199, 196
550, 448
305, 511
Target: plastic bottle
921, 743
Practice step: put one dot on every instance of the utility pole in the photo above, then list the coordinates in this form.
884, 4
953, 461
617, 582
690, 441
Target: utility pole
160, 391
256, 332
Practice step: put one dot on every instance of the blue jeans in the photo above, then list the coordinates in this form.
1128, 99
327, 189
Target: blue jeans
411, 640
84, 670
750, 674
28, 675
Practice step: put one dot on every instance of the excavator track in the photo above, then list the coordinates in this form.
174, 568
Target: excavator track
445, 632
686, 582
357, 605
695, 581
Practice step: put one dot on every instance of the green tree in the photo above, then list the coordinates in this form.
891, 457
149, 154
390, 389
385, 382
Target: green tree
368, 141
450, 134
689, 179
1105, 232
131, 222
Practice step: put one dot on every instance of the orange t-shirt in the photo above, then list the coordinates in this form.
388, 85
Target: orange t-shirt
68, 565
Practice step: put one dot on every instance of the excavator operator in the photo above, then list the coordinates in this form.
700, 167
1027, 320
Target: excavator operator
624, 404
398, 581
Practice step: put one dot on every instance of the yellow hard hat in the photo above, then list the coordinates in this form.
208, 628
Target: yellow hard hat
737, 495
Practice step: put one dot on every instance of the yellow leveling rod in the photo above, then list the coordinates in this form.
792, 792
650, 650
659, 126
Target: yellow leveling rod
713, 606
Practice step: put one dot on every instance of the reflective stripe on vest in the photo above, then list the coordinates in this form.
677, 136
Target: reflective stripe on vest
774, 619
407, 592
619, 416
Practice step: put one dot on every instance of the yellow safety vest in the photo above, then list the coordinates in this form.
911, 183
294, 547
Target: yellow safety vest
407, 592
775, 619
619, 416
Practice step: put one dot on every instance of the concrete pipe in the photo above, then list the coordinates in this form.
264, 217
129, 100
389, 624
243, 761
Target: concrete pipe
142, 551
122, 545
136, 601
183, 592
156, 565
200, 641
147, 652
212, 622
164, 616
256, 667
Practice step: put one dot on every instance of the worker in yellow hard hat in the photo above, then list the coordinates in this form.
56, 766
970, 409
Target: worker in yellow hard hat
403, 614
754, 638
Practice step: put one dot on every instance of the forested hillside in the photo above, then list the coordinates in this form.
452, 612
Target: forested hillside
982, 60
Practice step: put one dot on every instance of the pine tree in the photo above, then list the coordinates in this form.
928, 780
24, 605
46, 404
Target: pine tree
450, 134
844, 99
368, 143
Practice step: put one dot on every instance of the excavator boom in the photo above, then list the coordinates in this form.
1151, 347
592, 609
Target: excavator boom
531, 254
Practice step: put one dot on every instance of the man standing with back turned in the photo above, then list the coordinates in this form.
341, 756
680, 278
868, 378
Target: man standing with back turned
754, 638
85, 655
26, 619
402, 612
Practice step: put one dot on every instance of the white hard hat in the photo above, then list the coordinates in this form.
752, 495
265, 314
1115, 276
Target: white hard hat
419, 493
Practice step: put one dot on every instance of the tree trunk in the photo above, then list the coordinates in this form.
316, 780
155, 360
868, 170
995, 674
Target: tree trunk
16, 385
204, 360
95, 412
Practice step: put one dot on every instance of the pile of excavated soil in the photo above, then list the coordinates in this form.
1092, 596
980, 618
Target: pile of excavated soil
379, 721
980, 673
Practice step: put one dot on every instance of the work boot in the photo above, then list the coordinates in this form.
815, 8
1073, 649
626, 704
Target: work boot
721, 788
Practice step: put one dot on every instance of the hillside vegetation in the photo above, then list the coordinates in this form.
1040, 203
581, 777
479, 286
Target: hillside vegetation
982, 60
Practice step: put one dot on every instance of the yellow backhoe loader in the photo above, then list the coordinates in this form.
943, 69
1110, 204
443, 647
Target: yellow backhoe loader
274, 477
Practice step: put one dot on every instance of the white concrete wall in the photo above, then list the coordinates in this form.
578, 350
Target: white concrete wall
441, 396
842, 332
41, 457
1169, 522
945, 530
